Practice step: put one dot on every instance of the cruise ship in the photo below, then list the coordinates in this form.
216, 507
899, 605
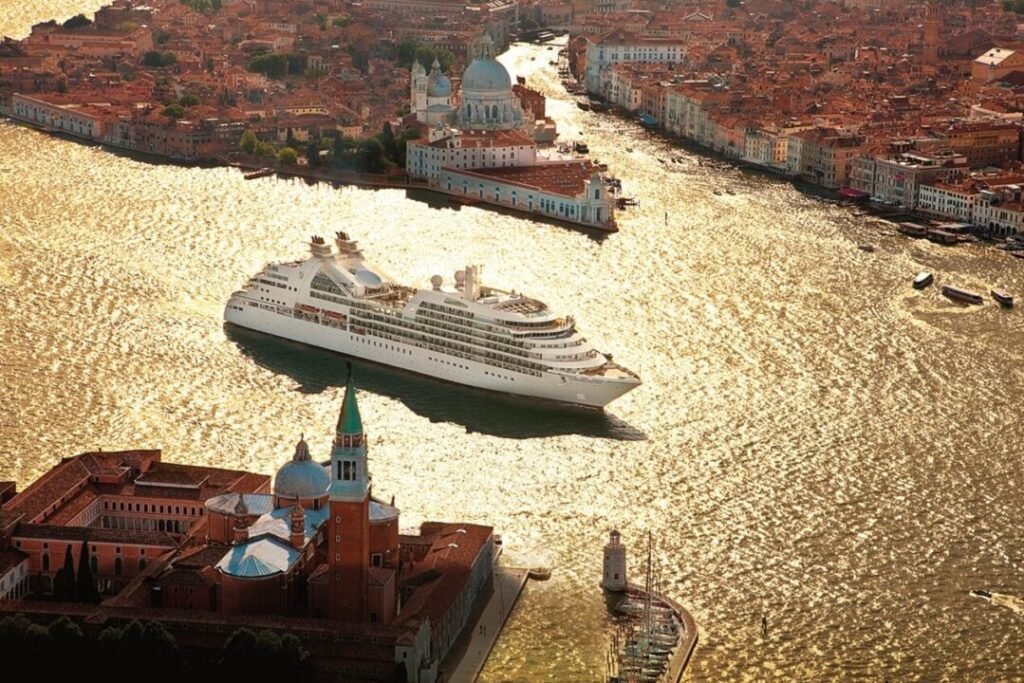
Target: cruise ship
465, 333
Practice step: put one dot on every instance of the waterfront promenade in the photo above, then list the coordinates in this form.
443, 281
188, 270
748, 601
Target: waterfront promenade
469, 656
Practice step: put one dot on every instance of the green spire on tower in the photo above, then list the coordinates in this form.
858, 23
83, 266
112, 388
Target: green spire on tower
349, 422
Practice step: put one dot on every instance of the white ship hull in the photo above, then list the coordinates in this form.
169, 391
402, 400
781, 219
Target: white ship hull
573, 388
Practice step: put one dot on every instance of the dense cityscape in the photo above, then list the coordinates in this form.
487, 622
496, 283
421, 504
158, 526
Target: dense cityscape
891, 120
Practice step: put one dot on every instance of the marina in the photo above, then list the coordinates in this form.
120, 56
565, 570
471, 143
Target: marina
654, 637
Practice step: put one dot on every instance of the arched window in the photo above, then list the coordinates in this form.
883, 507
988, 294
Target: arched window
494, 112
94, 565
142, 564
118, 566
46, 562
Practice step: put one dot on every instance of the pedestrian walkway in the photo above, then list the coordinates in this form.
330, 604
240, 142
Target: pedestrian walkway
483, 629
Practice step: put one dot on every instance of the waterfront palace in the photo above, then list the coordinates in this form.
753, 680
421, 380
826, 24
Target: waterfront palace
215, 549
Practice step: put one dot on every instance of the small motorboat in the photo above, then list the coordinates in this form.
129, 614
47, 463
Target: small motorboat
1003, 297
1017, 254
866, 247
729, 190
962, 295
979, 593
923, 279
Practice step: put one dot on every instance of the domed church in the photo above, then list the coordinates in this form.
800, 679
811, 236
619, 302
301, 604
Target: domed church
431, 95
488, 102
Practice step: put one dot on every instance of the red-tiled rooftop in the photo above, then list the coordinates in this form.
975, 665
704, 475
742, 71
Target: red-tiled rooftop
10, 559
564, 178
81, 533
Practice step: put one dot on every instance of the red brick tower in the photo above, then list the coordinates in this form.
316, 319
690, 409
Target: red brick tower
348, 541
930, 54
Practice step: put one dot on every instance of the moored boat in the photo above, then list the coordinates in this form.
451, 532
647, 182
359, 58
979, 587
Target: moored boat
1017, 254
1003, 297
923, 279
913, 229
963, 295
866, 247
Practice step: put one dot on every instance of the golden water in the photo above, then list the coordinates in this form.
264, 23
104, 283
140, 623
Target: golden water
814, 440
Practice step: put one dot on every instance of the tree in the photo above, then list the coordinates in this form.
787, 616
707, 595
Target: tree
371, 155
189, 100
86, 583
407, 52
287, 156
267, 150
388, 142
296, 64
159, 648
733, 3
66, 636
156, 59
239, 650
313, 149
291, 654
111, 642
248, 143
174, 111
64, 580
77, 21
272, 65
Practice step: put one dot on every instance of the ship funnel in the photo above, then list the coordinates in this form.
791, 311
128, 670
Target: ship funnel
345, 244
319, 247
471, 292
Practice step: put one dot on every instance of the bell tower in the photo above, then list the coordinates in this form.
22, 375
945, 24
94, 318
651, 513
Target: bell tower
930, 53
348, 541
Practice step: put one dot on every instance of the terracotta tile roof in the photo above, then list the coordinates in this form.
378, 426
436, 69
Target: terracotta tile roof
454, 549
80, 501
10, 559
79, 533
564, 178
42, 495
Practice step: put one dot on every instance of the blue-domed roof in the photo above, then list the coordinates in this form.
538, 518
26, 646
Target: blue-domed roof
301, 478
439, 86
486, 74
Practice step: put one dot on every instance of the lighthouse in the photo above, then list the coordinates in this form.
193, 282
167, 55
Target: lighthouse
614, 578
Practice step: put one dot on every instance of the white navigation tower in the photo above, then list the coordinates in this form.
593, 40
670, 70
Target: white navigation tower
614, 564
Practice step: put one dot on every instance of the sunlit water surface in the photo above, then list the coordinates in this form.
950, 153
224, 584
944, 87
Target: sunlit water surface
813, 440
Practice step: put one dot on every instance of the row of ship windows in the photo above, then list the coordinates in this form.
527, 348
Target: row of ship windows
424, 342
463, 340
442, 320
451, 352
389, 347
